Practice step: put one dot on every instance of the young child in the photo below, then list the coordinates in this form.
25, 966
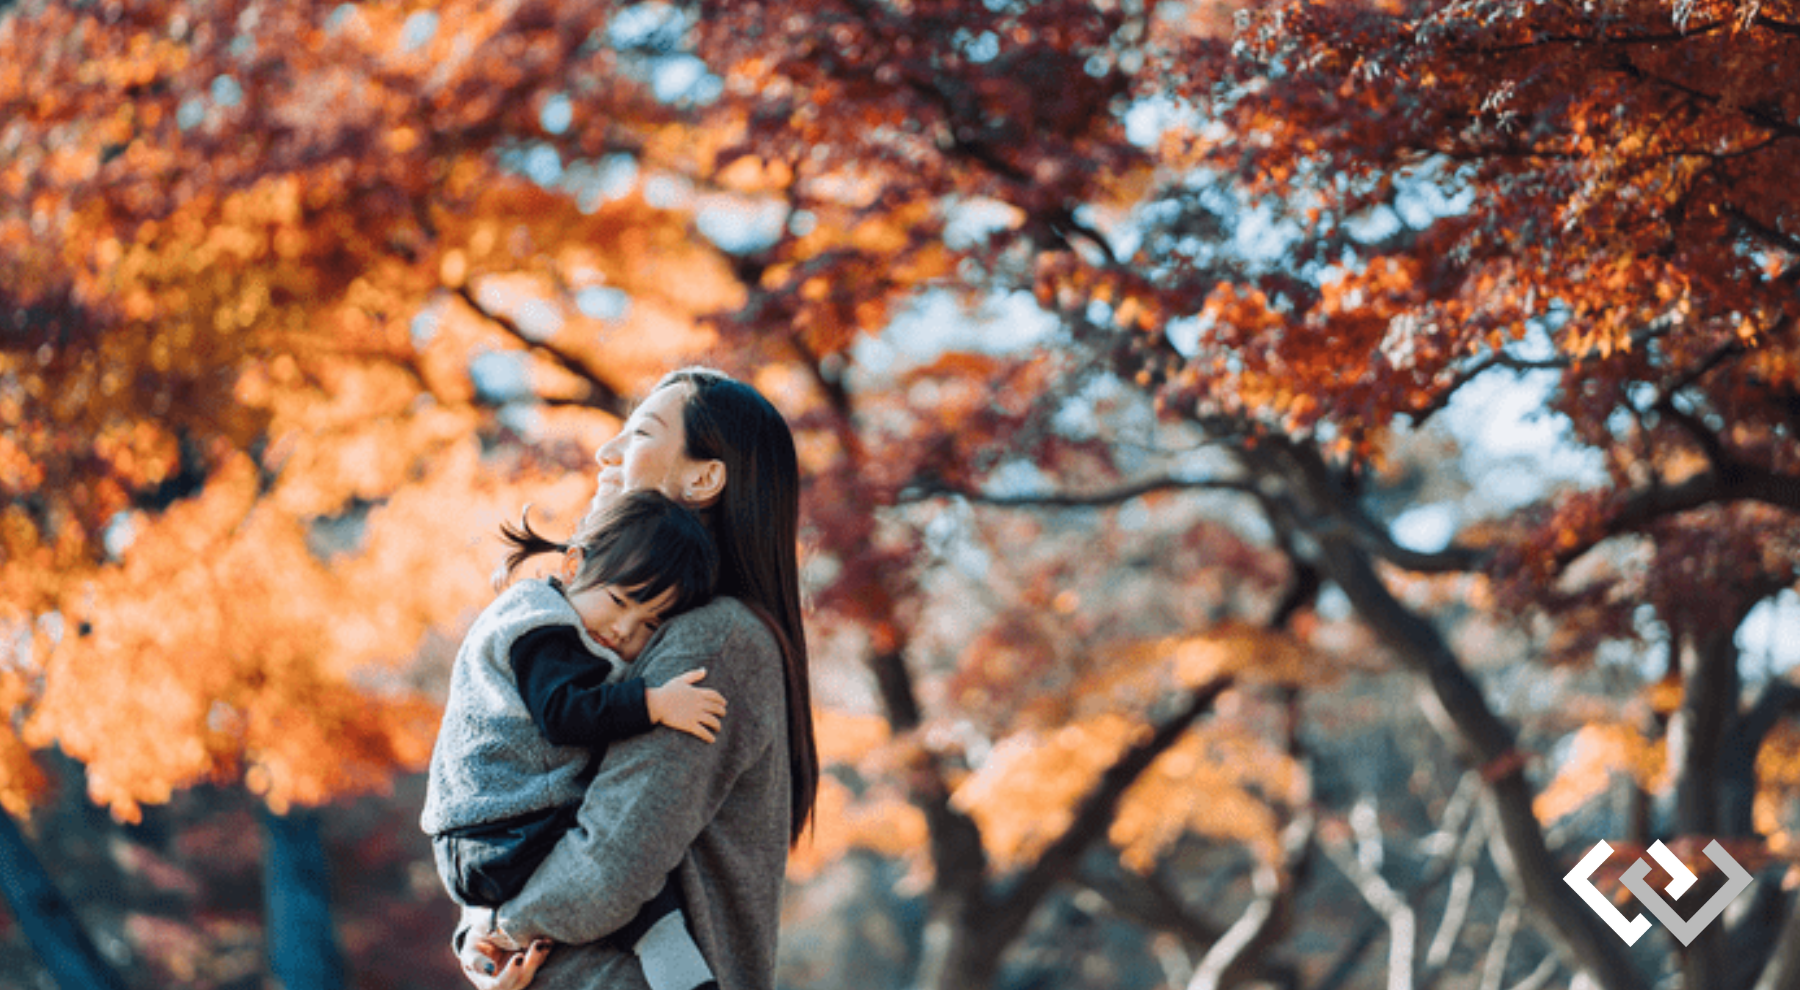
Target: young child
537, 695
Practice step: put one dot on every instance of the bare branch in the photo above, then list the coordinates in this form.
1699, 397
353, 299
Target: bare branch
1443, 847
1493, 967
600, 395
1461, 713
1540, 976
1456, 906
1400, 917
925, 489
1272, 886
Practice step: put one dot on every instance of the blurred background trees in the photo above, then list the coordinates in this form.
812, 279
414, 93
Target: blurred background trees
1283, 479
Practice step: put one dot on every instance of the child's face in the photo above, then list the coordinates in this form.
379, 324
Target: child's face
619, 621
612, 614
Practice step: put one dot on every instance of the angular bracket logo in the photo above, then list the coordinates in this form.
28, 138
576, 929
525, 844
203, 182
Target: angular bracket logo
1737, 880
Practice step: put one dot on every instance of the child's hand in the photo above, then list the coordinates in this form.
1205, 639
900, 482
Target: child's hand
681, 704
490, 968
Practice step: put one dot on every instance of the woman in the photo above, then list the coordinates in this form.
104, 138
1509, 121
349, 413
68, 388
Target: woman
721, 816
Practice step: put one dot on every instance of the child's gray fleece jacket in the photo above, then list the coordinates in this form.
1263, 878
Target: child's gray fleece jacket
491, 761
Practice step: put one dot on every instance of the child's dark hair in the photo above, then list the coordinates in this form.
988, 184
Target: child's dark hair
644, 542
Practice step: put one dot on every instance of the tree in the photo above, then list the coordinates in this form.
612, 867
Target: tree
262, 271
1611, 205
269, 272
274, 278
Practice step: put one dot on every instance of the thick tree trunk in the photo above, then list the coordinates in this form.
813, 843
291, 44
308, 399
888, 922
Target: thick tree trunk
46, 917
1454, 703
1783, 970
1461, 714
302, 942
1764, 945
1697, 734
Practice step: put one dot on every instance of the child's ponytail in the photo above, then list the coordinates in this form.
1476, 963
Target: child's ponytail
526, 542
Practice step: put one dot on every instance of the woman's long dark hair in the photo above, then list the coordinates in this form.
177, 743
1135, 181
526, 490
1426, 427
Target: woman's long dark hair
756, 524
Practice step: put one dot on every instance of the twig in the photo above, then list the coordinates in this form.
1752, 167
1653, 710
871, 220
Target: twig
1493, 968
1456, 907
1539, 976
1401, 920
1271, 886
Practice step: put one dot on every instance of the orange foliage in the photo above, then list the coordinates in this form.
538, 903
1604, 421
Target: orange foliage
1778, 774
1596, 753
243, 460
245, 296
1221, 782
1024, 794
883, 822
1252, 655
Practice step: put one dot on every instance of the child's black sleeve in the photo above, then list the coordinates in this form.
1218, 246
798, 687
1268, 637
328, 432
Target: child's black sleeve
564, 687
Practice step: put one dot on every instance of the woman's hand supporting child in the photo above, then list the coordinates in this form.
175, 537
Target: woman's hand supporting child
683, 704
490, 966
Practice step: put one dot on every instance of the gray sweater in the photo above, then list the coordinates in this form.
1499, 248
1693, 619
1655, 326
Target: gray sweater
716, 814
491, 761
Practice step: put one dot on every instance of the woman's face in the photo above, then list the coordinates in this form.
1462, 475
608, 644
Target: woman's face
650, 451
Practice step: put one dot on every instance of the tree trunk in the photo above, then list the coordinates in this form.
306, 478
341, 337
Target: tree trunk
1783, 970
1697, 733
302, 942
47, 919
1459, 711
1456, 707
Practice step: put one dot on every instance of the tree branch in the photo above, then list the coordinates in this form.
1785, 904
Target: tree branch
1454, 832
1538, 978
1095, 812
1460, 712
1401, 918
1243, 944
1738, 482
1778, 699
1709, 442
1772, 124
1657, 38
928, 488
1778, 238
1449, 560
600, 395
1456, 904
1150, 902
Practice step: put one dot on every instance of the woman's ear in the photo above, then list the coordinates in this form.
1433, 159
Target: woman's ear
704, 484
571, 566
